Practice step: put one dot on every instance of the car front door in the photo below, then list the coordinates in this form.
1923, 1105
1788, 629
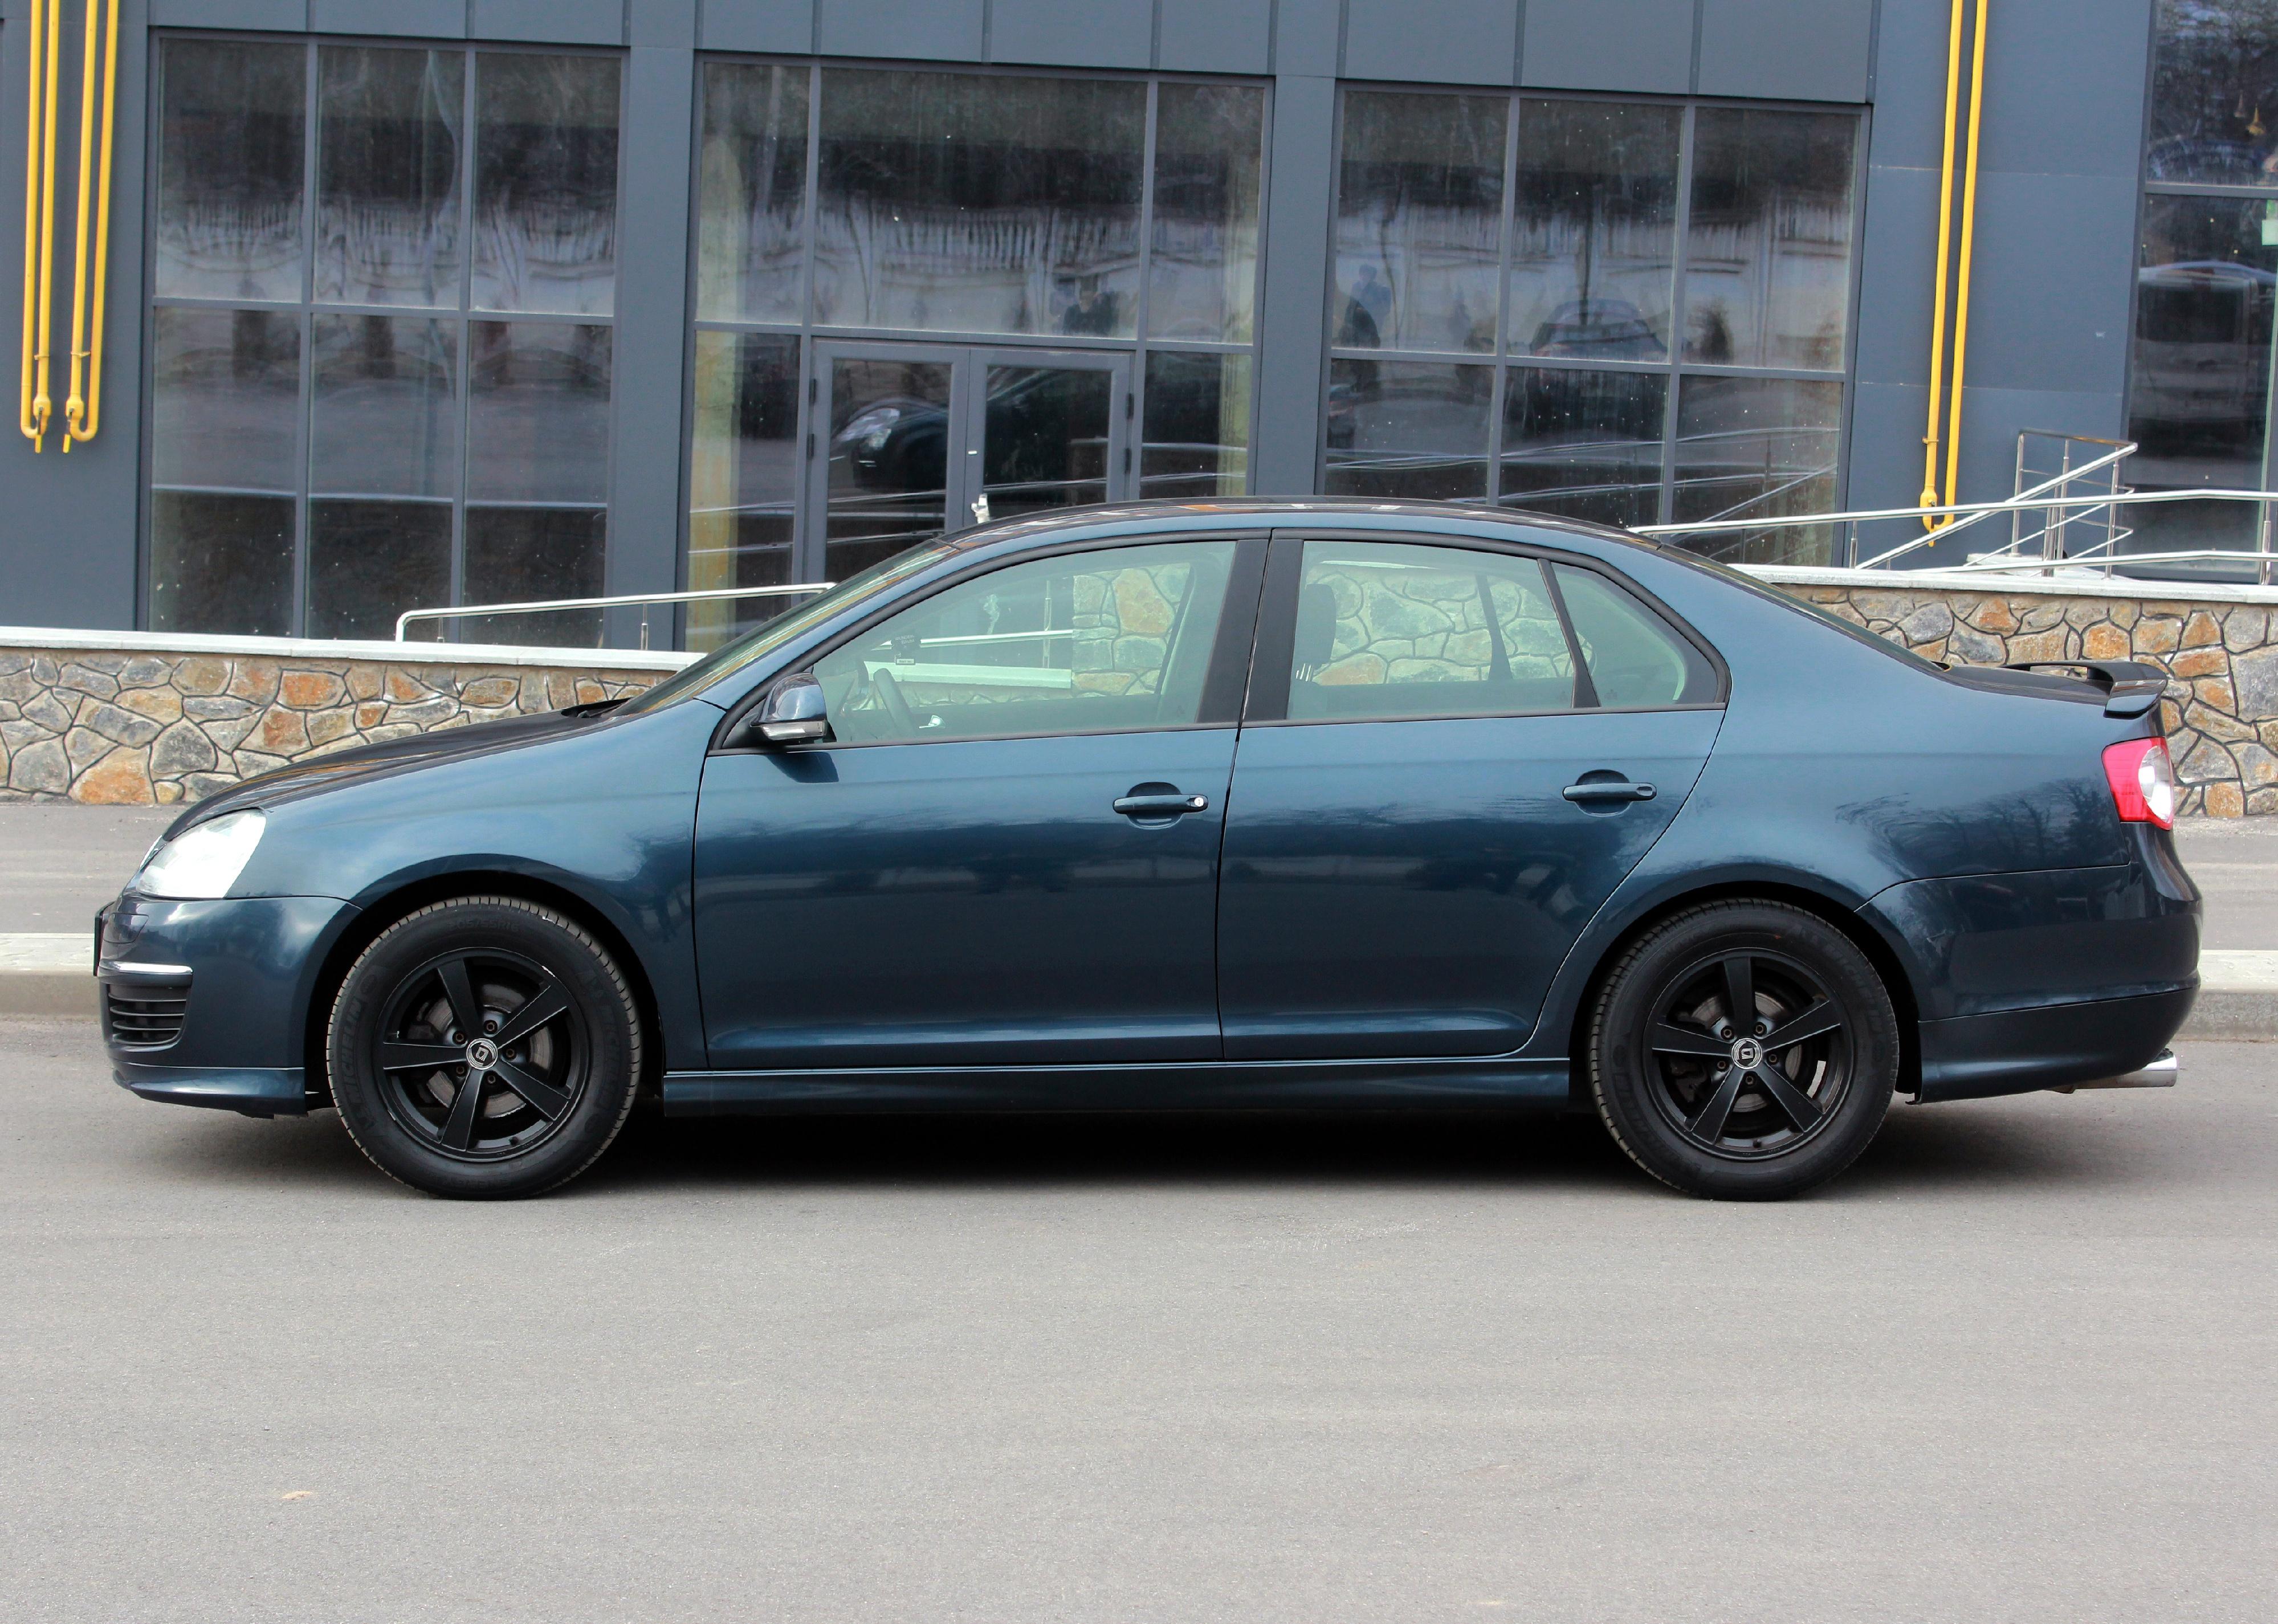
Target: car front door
1007, 853
1433, 794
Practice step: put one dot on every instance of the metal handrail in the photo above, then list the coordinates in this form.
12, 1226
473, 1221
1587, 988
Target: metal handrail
538, 606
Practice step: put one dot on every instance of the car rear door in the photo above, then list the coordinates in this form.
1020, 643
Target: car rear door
1432, 795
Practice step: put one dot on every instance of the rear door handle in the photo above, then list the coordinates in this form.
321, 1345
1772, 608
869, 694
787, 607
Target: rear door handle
1144, 801
1609, 789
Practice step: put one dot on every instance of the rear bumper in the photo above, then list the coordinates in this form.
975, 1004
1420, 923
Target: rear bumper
2052, 1046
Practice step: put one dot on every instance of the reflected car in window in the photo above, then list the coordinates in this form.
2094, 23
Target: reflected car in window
1231, 806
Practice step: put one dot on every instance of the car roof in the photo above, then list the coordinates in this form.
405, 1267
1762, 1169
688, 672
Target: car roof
1259, 512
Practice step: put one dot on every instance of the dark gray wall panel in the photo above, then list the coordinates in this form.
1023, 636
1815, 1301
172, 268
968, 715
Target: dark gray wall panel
1608, 45
926, 30
1909, 86
438, 20
1991, 419
1088, 33
1897, 254
2062, 97
1306, 36
2050, 291
785, 25
1293, 315
566, 22
1215, 36
661, 22
1886, 455
1450, 42
1800, 50
289, 15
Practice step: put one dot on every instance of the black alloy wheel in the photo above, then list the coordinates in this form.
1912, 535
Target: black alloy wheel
1743, 1050
485, 1047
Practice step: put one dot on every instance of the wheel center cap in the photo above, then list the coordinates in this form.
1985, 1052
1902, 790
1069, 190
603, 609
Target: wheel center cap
482, 1054
1746, 1052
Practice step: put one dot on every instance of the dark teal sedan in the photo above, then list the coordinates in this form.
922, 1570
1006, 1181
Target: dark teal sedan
1238, 805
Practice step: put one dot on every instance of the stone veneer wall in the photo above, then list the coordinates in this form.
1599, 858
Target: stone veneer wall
125, 726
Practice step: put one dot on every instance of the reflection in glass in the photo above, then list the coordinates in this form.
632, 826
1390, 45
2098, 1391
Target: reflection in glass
1195, 432
1767, 250
1758, 447
538, 412
385, 418
221, 562
1585, 444
743, 478
1593, 230
546, 182
752, 176
960, 202
2200, 372
225, 390
1419, 221
2214, 94
518, 554
1202, 273
1408, 430
1045, 440
230, 119
369, 562
889, 451
387, 175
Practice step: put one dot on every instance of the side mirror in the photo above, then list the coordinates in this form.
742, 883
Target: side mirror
793, 713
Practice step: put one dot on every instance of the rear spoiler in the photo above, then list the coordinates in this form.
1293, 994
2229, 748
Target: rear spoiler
2130, 689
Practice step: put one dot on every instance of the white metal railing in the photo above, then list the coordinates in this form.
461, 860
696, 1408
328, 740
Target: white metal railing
540, 606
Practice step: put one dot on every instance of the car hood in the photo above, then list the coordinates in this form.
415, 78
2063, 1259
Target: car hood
325, 774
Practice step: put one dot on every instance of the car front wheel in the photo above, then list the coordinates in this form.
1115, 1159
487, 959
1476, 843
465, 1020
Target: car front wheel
485, 1047
1744, 1050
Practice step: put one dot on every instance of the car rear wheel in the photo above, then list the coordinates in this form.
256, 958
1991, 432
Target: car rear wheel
485, 1047
1744, 1050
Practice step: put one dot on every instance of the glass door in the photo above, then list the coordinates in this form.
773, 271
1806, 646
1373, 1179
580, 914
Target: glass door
1046, 429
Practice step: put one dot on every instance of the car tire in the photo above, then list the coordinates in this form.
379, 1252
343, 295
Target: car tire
1757, 1110
505, 995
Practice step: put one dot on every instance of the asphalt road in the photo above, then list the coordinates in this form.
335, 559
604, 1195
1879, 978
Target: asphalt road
2018, 1365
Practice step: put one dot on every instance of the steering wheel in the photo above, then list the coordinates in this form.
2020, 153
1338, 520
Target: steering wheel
889, 695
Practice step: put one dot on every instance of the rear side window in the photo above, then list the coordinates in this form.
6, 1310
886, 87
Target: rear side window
1634, 658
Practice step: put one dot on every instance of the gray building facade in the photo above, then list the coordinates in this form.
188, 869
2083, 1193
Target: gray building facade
413, 302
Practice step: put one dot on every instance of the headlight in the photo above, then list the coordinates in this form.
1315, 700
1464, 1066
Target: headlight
204, 862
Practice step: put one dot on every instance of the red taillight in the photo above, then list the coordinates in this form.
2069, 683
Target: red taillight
2143, 781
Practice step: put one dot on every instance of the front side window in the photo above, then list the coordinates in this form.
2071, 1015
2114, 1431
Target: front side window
1096, 641
383, 285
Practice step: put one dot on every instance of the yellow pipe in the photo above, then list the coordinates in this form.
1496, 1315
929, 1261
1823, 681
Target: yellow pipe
1945, 246
83, 411
34, 408
1969, 237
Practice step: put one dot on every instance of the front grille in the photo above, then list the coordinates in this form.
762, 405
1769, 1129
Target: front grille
145, 1014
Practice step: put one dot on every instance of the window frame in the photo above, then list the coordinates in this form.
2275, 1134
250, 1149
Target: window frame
1505, 363
1273, 653
306, 308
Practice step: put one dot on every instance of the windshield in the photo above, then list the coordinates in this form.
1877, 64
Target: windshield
731, 657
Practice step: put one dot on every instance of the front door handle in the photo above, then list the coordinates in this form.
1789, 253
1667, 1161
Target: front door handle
1159, 801
1607, 789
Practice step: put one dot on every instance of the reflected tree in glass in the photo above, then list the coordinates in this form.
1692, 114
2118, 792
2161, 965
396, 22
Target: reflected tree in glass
388, 144
1203, 271
1593, 230
232, 116
546, 183
1420, 222
1768, 248
2214, 93
751, 239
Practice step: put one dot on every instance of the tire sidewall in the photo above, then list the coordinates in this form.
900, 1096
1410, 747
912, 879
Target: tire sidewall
586, 972
1622, 1087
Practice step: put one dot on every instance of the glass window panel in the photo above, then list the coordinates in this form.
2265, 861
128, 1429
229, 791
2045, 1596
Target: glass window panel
1195, 432
225, 392
1593, 230
1634, 659
538, 412
1413, 430
743, 472
889, 450
1389, 629
2214, 93
388, 125
1585, 444
231, 120
1203, 275
1758, 447
1419, 221
1045, 440
1091, 641
965, 202
750, 240
1767, 250
369, 562
221, 562
385, 419
523, 554
2200, 372
546, 182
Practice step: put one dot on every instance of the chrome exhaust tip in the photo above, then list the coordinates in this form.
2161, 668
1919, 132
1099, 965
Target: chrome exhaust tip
2159, 1072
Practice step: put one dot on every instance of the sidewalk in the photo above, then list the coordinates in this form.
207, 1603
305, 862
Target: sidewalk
59, 862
